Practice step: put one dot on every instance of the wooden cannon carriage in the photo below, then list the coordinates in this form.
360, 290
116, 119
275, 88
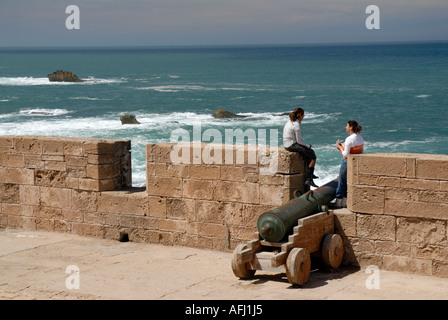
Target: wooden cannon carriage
313, 234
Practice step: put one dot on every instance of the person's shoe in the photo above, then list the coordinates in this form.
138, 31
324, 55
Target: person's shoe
310, 176
337, 204
311, 183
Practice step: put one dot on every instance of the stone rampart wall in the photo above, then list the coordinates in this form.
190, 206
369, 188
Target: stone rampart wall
397, 205
83, 186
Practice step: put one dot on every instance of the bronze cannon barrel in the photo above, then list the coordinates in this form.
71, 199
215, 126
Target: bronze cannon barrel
275, 225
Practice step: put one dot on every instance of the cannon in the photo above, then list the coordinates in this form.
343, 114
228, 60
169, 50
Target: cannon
287, 236
276, 224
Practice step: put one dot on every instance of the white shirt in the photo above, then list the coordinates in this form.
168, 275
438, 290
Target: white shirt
292, 134
354, 144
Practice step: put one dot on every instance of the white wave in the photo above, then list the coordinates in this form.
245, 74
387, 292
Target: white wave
31, 81
423, 96
175, 88
393, 144
93, 80
4, 100
27, 81
44, 112
88, 98
173, 76
244, 89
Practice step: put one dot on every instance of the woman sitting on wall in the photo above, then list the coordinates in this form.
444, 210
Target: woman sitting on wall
292, 141
354, 144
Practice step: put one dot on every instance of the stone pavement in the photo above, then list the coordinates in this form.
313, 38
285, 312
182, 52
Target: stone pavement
33, 265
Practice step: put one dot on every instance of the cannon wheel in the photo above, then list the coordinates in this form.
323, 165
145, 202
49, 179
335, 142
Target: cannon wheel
240, 269
332, 250
298, 266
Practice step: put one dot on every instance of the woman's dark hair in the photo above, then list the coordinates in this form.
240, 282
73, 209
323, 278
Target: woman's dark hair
355, 126
293, 116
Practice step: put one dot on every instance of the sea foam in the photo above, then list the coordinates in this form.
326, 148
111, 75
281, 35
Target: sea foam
31, 81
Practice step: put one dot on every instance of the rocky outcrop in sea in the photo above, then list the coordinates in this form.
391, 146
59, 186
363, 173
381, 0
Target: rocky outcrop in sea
63, 76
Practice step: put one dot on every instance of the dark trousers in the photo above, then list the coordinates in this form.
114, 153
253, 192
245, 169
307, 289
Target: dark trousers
307, 154
341, 191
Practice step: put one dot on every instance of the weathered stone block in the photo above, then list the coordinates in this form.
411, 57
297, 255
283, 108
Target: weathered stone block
6, 142
45, 212
392, 165
170, 170
365, 199
184, 209
273, 195
204, 172
73, 147
345, 222
162, 186
435, 167
124, 203
237, 192
84, 200
12, 160
392, 248
50, 178
100, 158
230, 213
91, 230
9, 193
440, 269
157, 207
102, 172
198, 189
69, 214
76, 161
407, 264
16, 176
173, 225
56, 197
53, 147
98, 185
423, 232
212, 230
28, 145
159, 153
352, 170
289, 162
29, 195
376, 227
420, 184
426, 210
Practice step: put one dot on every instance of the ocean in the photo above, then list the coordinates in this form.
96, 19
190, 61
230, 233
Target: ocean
398, 92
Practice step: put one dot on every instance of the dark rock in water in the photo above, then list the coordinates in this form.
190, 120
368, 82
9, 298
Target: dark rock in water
129, 119
63, 76
224, 114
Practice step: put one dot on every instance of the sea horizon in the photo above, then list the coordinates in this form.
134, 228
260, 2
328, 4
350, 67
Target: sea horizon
232, 45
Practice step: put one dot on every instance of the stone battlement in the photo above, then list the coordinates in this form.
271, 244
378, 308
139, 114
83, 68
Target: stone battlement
396, 217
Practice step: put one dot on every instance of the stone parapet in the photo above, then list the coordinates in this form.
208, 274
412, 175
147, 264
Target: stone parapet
210, 196
83, 186
398, 212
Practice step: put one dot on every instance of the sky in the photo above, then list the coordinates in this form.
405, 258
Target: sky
218, 22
